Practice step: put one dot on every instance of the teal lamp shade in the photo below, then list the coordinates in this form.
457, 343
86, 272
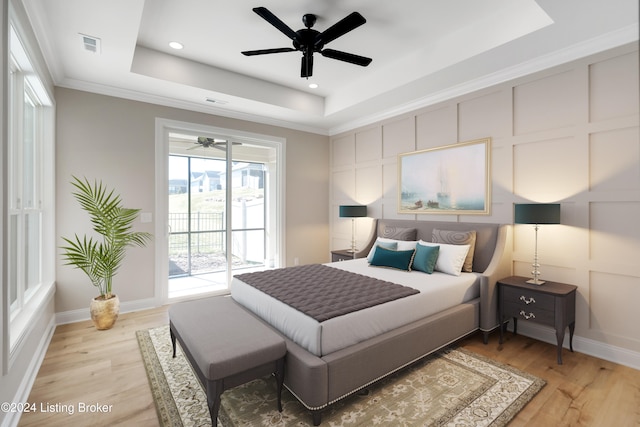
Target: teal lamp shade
537, 213
351, 211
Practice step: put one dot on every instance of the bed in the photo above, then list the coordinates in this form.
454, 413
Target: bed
331, 357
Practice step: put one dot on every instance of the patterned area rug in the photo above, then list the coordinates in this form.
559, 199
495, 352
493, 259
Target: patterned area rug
453, 387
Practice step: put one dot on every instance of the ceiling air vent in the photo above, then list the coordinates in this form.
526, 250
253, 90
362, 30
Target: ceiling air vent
215, 101
91, 44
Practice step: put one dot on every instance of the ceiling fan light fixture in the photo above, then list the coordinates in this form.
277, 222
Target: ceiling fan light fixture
176, 45
307, 40
313, 85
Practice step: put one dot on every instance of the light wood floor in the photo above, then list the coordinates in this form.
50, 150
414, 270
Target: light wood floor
105, 368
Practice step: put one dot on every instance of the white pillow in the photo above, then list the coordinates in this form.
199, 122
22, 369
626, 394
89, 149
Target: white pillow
451, 257
400, 245
407, 245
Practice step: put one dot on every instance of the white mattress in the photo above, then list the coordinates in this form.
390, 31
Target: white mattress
438, 291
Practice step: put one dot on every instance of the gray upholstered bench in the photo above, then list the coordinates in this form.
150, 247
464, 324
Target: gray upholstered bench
226, 346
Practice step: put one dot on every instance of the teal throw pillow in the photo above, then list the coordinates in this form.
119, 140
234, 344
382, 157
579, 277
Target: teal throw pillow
425, 258
395, 259
381, 244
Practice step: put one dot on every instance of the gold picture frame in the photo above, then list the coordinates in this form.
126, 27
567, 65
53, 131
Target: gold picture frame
452, 179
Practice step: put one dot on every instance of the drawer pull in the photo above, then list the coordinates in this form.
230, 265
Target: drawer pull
527, 301
527, 316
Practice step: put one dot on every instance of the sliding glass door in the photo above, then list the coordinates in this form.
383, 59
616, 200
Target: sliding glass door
196, 216
221, 199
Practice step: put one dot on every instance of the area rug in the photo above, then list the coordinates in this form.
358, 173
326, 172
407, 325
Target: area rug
453, 387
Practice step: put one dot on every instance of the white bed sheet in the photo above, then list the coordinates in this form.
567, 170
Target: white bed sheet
438, 291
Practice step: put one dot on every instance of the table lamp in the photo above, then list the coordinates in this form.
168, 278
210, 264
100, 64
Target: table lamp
353, 212
536, 214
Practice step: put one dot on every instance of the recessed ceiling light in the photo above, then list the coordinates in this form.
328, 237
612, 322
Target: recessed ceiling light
176, 45
313, 85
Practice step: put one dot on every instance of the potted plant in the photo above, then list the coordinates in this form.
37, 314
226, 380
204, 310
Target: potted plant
100, 258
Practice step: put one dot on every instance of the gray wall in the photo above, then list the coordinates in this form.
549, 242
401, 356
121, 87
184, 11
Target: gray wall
112, 139
567, 135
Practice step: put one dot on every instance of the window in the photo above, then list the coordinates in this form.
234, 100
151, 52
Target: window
30, 248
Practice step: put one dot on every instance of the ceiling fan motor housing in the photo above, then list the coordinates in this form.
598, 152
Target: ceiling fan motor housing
307, 39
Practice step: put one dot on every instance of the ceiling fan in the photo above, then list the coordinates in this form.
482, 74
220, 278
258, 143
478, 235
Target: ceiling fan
204, 142
308, 40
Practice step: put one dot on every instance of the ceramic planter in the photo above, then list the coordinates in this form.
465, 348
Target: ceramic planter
104, 312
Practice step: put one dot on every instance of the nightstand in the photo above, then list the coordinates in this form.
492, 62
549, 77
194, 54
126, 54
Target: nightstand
551, 304
341, 255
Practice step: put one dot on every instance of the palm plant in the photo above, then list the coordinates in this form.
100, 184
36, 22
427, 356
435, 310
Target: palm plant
100, 259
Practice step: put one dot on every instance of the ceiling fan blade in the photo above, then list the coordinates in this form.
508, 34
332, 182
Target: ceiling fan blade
276, 22
352, 21
346, 57
222, 145
306, 69
265, 51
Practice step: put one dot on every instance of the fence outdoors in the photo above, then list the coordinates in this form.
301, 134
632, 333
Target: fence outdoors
207, 232
202, 247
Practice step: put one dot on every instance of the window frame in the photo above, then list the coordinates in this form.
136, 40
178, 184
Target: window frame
277, 179
27, 291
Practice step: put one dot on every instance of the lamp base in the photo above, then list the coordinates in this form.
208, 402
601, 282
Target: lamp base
535, 281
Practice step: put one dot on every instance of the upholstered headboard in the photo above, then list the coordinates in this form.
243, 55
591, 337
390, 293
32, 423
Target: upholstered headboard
486, 235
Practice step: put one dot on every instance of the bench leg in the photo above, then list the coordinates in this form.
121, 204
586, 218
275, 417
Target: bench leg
173, 341
280, 381
214, 391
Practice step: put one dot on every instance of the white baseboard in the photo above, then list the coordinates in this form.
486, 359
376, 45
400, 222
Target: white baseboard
81, 314
588, 346
24, 389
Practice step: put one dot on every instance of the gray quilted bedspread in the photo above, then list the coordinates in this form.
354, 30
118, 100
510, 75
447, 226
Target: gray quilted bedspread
323, 292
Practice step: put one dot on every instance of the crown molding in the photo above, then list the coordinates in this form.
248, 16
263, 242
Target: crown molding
612, 40
571, 53
186, 105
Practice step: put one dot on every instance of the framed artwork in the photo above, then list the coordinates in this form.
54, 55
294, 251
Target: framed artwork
453, 179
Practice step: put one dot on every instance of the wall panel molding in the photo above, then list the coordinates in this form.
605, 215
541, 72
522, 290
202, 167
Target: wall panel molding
557, 136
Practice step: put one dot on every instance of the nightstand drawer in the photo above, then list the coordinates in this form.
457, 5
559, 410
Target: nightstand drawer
337, 257
527, 312
529, 300
341, 255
